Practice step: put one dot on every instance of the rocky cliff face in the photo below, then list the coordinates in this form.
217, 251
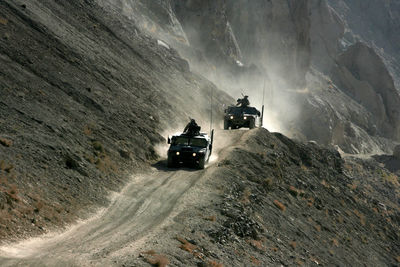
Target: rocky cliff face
376, 23
362, 74
240, 45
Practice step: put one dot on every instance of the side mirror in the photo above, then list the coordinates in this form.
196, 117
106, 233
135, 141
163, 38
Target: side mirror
210, 147
225, 110
169, 140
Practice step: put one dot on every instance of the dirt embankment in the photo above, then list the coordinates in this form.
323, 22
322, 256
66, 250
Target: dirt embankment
266, 201
273, 201
84, 97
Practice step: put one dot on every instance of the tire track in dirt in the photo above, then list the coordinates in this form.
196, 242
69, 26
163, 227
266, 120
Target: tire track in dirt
137, 210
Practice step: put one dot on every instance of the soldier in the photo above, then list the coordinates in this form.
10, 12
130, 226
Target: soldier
192, 128
243, 102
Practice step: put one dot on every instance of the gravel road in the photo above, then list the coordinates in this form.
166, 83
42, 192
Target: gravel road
137, 211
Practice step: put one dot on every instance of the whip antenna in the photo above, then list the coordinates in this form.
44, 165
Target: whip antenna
211, 105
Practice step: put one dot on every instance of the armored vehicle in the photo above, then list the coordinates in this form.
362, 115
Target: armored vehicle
239, 117
192, 150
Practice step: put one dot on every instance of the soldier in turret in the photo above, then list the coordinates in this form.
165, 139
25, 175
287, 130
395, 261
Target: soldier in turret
192, 128
243, 102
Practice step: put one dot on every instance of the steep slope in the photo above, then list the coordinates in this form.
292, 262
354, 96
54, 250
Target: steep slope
273, 201
84, 97
267, 201
375, 23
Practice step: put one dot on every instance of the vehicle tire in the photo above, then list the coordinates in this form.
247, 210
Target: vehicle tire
202, 163
226, 125
170, 163
252, 124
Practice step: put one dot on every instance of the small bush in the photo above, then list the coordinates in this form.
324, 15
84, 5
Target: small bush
98, 146
267, 183
87, 131
256, 244
279, 205
246, 196
294, 191
156, 259
335, 242
5, 142
214, 264
293, 244
186, 245
211, 218
255, 261
3, 21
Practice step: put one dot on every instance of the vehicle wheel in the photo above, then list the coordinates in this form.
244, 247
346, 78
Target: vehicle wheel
170, 163
201, 163
252, 124
226, 125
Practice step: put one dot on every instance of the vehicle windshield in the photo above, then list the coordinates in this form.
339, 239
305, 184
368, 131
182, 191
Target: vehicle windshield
185, 141
198, 142
240, 111
180, 141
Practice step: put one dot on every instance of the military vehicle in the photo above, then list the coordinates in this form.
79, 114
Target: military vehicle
191, 150
241, 117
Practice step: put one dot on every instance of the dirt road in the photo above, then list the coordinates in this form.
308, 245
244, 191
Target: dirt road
139, 210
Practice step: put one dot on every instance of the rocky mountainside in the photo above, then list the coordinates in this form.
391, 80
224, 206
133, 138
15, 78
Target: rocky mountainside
84, 99
292, 49
90, 89
271, 201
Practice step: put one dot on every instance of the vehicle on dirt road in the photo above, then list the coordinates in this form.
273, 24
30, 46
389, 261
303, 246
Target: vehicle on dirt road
190, 150
242, 117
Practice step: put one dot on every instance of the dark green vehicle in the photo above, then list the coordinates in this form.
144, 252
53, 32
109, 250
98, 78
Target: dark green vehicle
241, 117
190, 150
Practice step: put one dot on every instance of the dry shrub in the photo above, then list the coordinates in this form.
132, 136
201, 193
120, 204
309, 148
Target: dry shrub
318, 227
87, 131
186, 245
214, 264
5, 142
156, 259
3, 21
310, 201
38, 205
353, 186
255, 261
391, 178
293, 244
340, 219
303, 168
274, 249
331, 252
348, 167
105, 164
398, 259
325, 184
279, 205
256, 244
246, 196
211, 218
98, 146
364, 239
267, 183
361, 216
293, 190
150, 252
335, 242
5, 166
